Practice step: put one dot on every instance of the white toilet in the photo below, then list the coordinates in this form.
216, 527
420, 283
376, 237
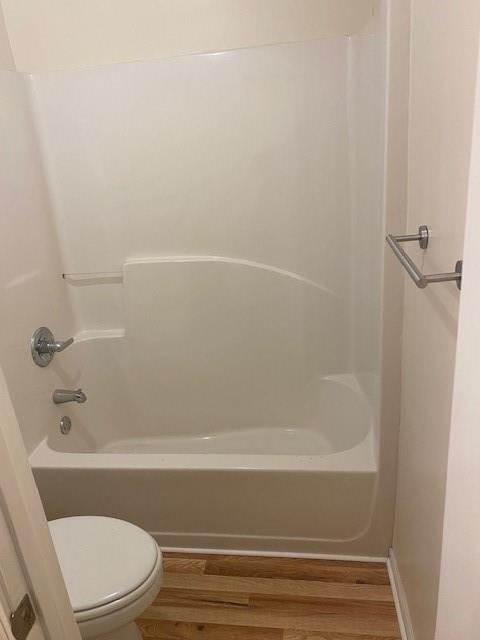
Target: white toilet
113, 571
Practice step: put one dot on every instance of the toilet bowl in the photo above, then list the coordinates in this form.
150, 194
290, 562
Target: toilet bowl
112, 570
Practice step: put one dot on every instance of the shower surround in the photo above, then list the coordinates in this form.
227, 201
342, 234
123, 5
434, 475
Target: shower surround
221, 221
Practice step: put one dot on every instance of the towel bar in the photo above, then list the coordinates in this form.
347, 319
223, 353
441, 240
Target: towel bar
411, 268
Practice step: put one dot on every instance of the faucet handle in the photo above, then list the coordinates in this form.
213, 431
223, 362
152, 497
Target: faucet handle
43, 346
54, 347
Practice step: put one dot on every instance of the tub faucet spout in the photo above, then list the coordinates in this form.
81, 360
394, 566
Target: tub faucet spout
66, 395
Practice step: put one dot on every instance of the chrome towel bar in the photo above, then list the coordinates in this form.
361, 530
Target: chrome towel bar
421, 280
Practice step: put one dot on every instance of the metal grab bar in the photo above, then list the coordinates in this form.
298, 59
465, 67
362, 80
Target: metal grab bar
421, 280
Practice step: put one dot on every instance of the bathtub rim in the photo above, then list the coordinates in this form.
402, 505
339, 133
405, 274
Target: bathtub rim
358, 459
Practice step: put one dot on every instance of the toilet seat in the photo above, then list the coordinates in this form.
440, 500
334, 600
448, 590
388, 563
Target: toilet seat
130, 601
107, 564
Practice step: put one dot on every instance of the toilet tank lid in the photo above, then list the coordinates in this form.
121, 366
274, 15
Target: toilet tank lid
102, 559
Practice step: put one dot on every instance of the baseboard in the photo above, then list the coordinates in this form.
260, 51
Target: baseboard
207, 544
401, 604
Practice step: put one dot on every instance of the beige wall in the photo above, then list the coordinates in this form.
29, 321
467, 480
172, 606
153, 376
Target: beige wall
56, 34
6, 57
444, 42
31, 288
395, 219
460, 570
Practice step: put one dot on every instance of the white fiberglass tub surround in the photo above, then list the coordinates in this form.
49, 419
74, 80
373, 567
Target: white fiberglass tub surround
224, 408
228, 318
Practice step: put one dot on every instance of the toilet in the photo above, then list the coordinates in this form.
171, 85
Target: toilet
112, 570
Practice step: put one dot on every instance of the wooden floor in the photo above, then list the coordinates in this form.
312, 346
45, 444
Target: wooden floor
251, 598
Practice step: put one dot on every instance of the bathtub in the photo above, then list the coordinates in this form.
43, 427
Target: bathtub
215, 433
234, 491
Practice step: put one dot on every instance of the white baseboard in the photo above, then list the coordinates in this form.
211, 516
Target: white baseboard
401, 604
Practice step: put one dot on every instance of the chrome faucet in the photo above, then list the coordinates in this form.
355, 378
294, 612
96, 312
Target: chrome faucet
43, 346
66, 395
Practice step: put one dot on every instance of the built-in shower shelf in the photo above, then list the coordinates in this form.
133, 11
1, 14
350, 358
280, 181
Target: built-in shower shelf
94, 276
88, 335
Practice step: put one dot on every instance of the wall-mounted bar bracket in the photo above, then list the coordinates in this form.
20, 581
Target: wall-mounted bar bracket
421, 280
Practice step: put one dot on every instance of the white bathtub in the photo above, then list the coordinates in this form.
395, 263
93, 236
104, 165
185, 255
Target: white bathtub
232, 491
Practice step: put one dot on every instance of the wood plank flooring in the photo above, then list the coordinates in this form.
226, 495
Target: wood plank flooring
212, 597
